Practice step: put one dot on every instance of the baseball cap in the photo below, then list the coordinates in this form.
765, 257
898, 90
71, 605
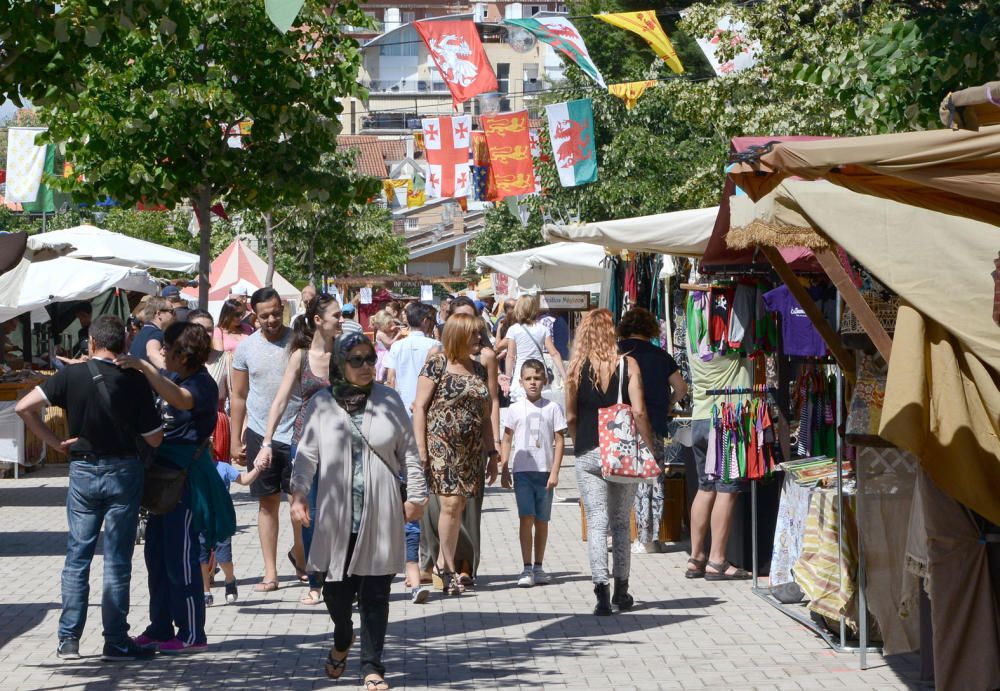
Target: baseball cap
170, 292
347, 309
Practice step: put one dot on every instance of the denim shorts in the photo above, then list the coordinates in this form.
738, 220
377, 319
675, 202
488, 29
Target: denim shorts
532, 497
412, 532
223, 551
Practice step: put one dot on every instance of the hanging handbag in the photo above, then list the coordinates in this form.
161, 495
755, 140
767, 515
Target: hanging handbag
162, 486
625, 457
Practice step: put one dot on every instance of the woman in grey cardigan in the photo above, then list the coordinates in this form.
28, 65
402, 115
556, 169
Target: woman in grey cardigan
358, 443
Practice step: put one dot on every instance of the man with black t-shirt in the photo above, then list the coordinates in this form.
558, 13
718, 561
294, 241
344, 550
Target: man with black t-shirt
105, 481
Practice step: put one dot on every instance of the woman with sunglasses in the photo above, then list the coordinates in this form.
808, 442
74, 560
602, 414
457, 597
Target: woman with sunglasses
356, 443
452, 422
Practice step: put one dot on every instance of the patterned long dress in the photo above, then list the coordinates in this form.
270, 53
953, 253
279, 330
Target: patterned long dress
454, 428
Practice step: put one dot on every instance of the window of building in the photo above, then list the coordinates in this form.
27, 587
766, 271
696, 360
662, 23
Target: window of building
405, 43
409, 17
503, 76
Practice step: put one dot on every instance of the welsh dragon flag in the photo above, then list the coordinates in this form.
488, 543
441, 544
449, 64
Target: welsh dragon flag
560, 33
571, 130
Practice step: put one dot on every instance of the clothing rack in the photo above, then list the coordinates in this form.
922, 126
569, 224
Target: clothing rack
741, 391
838, 644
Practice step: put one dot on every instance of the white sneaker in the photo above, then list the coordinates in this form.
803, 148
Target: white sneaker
419, 595
541, 578
645, 548
527, 578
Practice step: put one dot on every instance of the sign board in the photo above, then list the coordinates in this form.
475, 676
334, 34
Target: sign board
426, 293
564, 301
366, 296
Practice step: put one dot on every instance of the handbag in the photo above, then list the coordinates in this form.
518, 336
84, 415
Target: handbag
625, 457
162, 486
541, 356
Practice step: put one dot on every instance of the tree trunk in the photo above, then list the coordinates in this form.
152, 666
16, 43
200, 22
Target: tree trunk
203, 212
312, 260
269, 239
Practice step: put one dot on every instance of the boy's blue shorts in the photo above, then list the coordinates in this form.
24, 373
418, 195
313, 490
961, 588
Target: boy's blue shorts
412, 532
532, 497
223, 551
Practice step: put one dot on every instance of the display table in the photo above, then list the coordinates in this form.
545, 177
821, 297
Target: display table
16, 448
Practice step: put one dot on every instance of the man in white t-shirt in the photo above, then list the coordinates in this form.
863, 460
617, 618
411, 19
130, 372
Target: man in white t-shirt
406, 357
533, 443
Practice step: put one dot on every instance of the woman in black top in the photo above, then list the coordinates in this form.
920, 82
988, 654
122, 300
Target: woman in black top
593, 381
660, 376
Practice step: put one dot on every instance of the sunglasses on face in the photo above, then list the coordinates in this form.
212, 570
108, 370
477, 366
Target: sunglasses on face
356, 361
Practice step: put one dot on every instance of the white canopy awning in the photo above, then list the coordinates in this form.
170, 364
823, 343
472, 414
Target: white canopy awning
678, 232
550, 267
35, 284
90, 242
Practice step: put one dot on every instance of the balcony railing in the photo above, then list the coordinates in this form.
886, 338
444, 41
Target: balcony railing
405, 86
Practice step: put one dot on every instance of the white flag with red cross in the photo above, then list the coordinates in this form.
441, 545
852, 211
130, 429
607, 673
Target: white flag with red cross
447, 141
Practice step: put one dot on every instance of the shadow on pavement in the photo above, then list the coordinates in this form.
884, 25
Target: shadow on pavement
33, 496
20, 619
32, 543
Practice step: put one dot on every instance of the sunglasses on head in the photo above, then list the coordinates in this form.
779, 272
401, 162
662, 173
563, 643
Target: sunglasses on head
357, 361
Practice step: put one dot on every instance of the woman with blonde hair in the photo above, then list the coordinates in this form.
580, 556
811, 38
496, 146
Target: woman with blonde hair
454, 431
527, 338
597, 376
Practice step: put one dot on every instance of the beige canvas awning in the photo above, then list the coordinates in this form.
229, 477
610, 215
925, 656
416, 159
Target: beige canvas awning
972, 108
684, 233
942, 170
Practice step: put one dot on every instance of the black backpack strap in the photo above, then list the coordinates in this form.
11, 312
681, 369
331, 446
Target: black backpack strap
128, 441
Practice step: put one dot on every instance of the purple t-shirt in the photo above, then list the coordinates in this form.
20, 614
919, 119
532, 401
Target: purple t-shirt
798, 335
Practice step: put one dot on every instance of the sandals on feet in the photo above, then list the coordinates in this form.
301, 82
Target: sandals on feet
376, 684
266, 587
699, 568
335, 666
313, 597
451, 582
721, 573
303, 576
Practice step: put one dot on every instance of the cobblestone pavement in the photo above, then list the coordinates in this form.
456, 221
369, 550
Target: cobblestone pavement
683, 634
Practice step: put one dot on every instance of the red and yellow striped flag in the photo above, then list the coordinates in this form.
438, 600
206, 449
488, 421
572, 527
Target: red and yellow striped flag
648, 26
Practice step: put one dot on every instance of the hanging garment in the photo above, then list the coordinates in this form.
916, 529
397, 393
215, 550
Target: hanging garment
697, 321
718, 325
740, 333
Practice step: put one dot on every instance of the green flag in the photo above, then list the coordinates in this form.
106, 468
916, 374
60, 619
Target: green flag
560, 33
44, 202
283, 12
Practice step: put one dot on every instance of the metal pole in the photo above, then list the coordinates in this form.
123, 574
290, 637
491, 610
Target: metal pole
753, 529
840, 487
862, 578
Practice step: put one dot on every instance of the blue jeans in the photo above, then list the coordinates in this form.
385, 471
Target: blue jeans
315, 579
103, 491
175, 583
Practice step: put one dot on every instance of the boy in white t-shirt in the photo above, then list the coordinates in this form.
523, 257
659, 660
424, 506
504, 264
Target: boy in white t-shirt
533, 442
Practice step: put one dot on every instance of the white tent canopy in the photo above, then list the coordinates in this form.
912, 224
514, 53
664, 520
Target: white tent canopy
90, 242
678, 232
35, 284
551, 267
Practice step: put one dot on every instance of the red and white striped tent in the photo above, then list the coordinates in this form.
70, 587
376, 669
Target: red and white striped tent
238, 265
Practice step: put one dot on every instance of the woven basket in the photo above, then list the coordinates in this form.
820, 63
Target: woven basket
885, 309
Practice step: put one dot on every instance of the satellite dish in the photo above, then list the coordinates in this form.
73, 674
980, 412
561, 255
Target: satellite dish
520, 39
489, 103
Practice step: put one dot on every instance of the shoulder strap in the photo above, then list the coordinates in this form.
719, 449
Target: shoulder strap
105, 400
541, 351
621, 378
394, 471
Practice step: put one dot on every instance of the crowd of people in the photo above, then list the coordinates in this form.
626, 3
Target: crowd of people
383, 445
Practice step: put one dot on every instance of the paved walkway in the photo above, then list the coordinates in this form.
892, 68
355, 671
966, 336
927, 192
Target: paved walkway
682, 634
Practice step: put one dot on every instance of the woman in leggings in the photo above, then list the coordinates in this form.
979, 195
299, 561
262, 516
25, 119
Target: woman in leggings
593, 381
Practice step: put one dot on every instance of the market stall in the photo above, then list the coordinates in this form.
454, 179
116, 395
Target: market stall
937, 429
90, 242
561, 265
238, 265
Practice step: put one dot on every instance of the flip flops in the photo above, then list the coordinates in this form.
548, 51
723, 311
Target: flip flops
334, 667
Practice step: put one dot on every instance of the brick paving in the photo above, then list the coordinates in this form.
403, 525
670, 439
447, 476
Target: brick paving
683, 634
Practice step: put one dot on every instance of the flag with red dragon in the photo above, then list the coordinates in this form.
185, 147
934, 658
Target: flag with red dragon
571, 131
